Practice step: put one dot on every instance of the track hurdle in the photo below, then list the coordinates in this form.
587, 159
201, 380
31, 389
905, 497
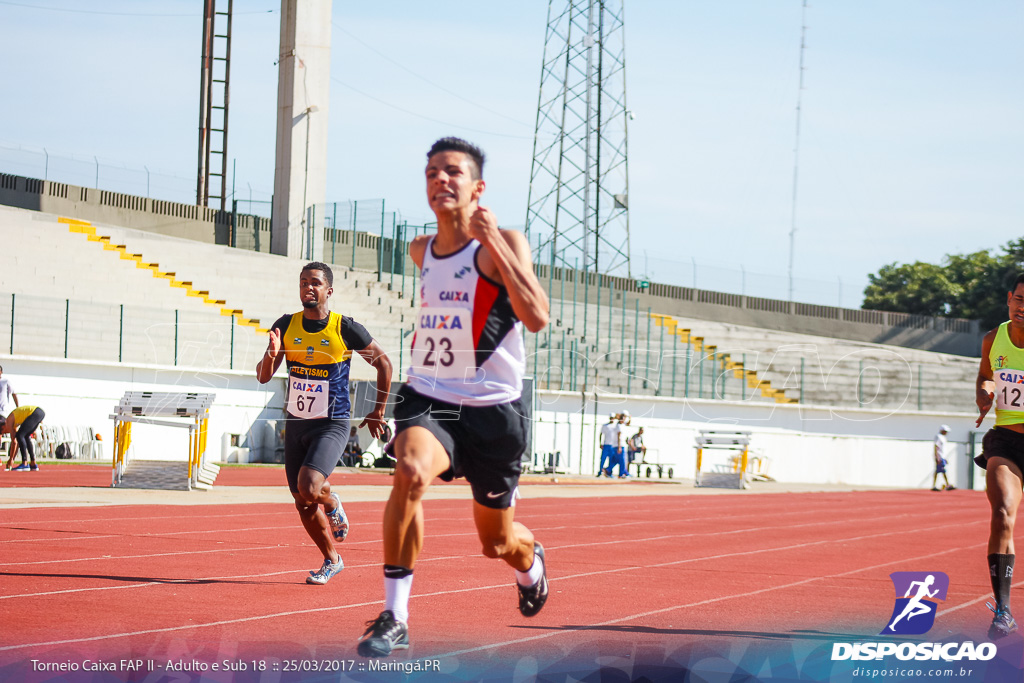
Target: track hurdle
729, 474
192, 411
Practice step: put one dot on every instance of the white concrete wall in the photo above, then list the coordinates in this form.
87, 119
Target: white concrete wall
802, 444
84, 393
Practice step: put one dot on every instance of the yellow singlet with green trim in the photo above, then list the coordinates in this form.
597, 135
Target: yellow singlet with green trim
1008, 372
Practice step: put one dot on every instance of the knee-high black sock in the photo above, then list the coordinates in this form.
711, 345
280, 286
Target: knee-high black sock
1000, 568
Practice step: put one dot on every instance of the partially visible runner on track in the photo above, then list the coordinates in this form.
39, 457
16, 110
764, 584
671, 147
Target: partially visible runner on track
317, 345
20, 424
1001, 381
460, 415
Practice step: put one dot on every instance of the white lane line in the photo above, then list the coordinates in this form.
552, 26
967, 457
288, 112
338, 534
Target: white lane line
134, 520
699, 515
228, 577
699, 603
473, 533
619, 525
504, 586
136, 557
975, 601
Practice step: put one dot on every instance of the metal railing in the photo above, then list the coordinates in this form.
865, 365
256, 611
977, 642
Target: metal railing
87, 330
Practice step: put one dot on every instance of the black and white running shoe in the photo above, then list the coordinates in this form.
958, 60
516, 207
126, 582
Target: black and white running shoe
383, 635
532, 598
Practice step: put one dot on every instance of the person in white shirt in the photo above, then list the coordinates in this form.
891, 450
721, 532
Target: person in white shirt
940, 459
7, 396
620, 450
611, 438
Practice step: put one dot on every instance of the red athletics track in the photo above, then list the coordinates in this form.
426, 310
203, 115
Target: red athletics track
99, 474
662, 584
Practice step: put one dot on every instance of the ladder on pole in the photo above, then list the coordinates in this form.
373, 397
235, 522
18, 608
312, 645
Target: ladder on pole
214, 89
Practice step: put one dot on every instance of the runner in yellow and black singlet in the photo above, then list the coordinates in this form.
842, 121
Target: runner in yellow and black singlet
317, 345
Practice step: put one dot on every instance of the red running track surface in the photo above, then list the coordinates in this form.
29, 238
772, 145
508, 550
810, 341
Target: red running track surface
99, 474
633, 580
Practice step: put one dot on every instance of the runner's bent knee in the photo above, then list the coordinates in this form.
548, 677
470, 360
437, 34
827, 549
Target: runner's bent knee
310, 486
496, 546
304, 507
417, 462
413, 474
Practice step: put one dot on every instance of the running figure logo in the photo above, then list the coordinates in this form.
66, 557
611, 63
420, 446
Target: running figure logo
914, 612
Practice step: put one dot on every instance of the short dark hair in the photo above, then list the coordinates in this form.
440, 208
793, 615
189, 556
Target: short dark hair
1016, 283
316, 265
451, 144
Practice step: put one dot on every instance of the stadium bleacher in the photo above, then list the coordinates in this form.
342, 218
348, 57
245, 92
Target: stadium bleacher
153, 298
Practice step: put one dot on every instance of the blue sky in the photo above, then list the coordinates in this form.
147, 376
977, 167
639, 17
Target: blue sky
911, 146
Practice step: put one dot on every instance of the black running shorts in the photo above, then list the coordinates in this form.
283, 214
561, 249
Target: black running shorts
484, 443
317, 444
1002, 443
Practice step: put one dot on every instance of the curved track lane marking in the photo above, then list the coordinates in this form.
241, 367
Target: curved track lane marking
699, 603
504, 586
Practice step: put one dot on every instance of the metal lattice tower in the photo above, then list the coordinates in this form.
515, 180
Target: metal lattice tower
577, 211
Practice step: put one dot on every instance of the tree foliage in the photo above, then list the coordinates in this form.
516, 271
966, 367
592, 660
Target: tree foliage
919, 288
962, 286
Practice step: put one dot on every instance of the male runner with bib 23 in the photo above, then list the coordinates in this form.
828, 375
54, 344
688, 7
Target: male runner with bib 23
317, 345
1001, 380
460, 413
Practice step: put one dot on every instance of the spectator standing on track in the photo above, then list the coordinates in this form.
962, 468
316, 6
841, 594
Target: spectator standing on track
7, 398
317, 345
20, 424
461, 413
940, 460
611, 439
620, 451
7, 395
1000, 375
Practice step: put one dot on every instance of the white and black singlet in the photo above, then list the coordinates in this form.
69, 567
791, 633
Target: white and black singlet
466, 378
468, 343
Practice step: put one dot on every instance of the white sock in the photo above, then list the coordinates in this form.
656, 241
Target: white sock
396, 597
532, 575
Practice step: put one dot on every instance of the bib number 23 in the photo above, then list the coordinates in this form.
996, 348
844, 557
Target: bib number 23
444, 343
438, 352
